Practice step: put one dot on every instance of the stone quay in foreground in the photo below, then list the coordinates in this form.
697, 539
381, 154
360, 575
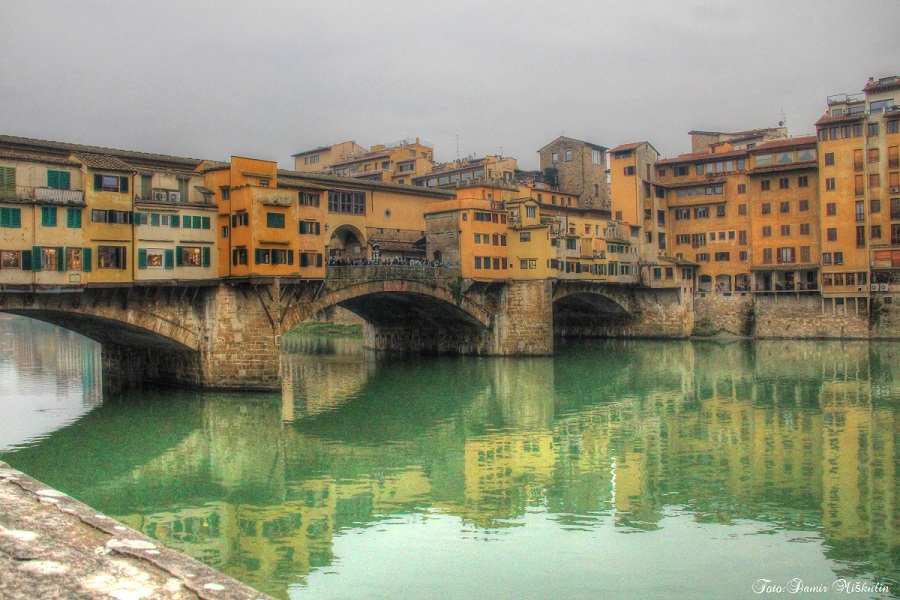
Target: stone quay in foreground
52, 546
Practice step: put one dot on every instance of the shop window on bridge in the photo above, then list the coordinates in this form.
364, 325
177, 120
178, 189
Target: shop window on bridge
156, 258
11, 259
192, 256
74, 259
347, 203
239, 256
309, 227
111, 257
310, 259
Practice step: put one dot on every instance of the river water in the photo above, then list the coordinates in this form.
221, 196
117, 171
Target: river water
625, 469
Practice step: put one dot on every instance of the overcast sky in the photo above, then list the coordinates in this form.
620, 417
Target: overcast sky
209, 79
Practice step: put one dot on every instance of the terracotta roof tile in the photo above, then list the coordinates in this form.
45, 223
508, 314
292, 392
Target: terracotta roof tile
102, 161
882, 85
809, 164
806, 140
826, 120
702, 157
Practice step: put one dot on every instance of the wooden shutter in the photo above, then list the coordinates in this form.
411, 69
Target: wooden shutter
36, 258
206, 253
53, 179
60, 259
170, 259
7, 182
5, 217
123, 185
205, 222
98, 182
179, 261
26, 260
318, 260
86, 260
290, 257
142, 258
196, 223
185, 222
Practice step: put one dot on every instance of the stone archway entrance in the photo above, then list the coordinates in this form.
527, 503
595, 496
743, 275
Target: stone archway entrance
347, 243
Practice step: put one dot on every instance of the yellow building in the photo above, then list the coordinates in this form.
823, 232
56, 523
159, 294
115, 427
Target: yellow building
859, 188
488, 169
267, 227
397, 162
41, 217
174, 226
860, 192
782, 203
108, 234
323, 157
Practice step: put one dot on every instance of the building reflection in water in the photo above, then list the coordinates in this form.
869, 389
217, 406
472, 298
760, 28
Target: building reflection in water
48, 377
797, 436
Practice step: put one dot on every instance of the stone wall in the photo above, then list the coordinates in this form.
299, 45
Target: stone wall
809, 317
885, 319
717, 312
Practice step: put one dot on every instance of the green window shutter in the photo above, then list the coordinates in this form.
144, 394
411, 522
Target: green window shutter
173, 221
178, 256
53, 179
185, 222
36, 258
196, 223
154, 219
65, 180
86, 260
170, 259
5, 217
142, 258
48, 216
205, 222
60, 259
206, 253
318, 260
7, 182
16, 218
317, 228
290, 257
98, 182
123, 185
26, 260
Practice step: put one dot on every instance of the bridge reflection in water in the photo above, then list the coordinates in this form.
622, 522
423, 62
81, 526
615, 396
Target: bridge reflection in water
771, 437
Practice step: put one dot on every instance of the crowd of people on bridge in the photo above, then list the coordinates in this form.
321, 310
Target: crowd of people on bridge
393, 262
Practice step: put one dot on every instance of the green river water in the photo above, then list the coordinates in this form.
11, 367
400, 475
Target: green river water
615, 469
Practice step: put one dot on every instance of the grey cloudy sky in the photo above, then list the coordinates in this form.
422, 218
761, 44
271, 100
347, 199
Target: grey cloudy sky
209, 79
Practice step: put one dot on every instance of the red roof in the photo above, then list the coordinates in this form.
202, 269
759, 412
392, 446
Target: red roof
826, 120
702, 156
807, 140
882, 85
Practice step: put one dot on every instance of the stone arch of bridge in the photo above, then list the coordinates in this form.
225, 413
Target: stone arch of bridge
399, 303
127, 328
579, 308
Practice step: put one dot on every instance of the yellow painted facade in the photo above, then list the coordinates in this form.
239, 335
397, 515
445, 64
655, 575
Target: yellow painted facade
41, 222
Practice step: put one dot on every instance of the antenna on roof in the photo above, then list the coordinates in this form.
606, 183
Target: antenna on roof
457, 146
783, 121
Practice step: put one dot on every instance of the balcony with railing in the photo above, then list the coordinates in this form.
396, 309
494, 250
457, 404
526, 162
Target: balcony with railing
42, 194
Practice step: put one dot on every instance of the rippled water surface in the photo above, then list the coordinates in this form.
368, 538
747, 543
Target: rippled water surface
614, 469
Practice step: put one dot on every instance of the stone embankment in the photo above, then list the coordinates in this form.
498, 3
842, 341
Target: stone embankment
52, 546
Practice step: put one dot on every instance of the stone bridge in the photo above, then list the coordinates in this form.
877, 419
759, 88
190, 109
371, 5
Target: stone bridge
226, 333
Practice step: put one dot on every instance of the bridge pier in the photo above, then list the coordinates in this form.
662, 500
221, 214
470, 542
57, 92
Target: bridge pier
523, 324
